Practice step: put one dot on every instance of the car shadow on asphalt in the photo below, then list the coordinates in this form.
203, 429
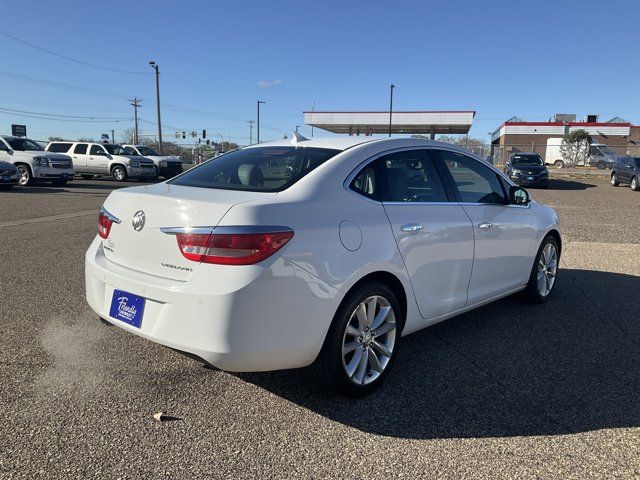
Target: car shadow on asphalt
562, 184
506, 369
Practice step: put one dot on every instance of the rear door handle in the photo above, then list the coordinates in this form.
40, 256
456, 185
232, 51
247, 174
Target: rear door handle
485, 225
411, 227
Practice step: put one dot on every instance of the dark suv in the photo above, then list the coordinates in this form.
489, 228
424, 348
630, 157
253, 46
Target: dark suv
626, 170
527, 169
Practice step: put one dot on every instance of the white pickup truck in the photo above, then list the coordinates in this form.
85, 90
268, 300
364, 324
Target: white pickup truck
166, 166
33, 163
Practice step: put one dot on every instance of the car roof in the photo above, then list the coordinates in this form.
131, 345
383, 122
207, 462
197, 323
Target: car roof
337, 143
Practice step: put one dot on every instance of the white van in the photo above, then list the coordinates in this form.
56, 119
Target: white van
600, 155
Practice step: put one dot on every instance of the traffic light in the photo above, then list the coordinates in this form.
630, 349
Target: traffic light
184, 134
204, 134
208, 142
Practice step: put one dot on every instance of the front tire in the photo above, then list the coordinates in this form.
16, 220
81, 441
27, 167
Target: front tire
24, 175
635, 184
362, 343
614, 180
119, 173
544, 272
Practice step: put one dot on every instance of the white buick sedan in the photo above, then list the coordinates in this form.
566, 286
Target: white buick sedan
323, 251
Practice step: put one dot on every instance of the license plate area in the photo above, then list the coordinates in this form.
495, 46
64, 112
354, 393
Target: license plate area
127, 308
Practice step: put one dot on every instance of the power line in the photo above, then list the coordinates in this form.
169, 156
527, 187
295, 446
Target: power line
71, 59
62, 116
62, 86
59, 119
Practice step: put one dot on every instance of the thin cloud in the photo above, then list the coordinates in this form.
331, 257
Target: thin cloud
269, 83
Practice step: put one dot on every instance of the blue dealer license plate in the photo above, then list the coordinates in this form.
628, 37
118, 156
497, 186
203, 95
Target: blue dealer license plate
127, 308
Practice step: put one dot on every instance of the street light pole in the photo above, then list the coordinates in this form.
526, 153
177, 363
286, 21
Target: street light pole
258, 122
154, 65
391, 107
313, 109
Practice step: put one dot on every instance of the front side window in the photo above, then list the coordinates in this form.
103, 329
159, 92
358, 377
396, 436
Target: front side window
113, 149
96, 150
259, 169
23, 144
476, 183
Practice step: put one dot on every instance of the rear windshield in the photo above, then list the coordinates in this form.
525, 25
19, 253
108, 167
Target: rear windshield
260, 169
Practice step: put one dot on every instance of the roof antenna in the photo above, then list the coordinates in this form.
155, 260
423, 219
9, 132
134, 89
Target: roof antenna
296, 137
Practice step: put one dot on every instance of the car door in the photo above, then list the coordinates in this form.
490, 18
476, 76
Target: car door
432, 232
98, 160
504, 234
79, 156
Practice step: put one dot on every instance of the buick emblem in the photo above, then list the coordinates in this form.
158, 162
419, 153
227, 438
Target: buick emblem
138, 221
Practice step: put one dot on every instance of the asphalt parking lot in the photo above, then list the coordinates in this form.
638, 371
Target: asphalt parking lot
508, 391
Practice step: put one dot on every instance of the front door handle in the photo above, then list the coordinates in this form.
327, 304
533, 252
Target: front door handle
411, 227
485, 225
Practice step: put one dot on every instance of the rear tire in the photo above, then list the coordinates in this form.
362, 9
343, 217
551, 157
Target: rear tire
362, 343
558, 164
544, 272
635, 184
119, 173
614, 180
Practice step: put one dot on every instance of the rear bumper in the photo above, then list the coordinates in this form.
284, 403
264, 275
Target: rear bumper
258, 318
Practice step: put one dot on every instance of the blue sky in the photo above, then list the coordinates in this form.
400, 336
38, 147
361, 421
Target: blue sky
500, 58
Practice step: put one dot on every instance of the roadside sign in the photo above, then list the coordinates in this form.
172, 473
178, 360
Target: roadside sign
19, 130
105, 138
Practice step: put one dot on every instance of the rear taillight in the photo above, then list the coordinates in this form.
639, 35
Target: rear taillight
105, 220
232, 248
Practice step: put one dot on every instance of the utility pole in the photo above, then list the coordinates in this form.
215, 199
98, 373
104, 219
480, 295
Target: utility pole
154, 65
391, 107
313, 109
135, 103
251, 122
258, 123
113, 137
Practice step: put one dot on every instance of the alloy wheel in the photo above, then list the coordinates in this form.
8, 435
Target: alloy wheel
23, 175
368, 340
547, 269
118, 174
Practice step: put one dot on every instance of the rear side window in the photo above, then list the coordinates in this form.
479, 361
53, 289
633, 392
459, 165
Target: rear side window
408, 176
81, 148
259, 169
59, 147
130, 151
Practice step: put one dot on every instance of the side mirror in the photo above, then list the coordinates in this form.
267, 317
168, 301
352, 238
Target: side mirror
518, 196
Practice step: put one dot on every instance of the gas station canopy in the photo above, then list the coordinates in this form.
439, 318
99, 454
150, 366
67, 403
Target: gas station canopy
368, 123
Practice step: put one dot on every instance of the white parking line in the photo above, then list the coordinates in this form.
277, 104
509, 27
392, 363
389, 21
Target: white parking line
47, 219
